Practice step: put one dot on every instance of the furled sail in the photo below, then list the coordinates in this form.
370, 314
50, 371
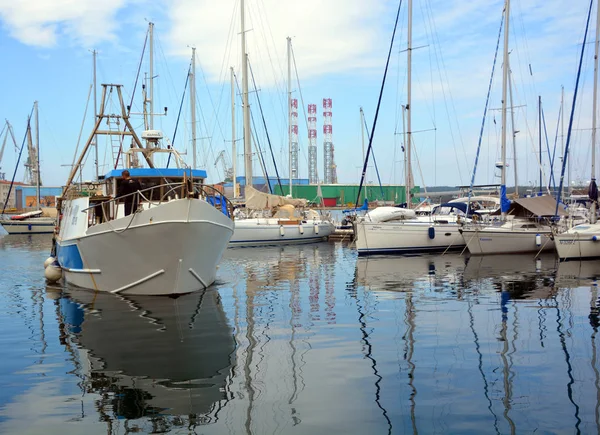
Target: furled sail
257, 200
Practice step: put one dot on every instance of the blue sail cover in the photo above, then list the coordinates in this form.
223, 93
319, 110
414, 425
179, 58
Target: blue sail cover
504, 201
593, 190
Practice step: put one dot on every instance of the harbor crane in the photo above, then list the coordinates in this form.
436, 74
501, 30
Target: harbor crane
227, 172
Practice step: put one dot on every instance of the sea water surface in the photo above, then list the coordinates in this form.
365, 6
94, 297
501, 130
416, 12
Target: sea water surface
306, 340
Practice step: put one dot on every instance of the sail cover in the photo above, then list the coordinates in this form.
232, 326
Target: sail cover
257, 200
593, 190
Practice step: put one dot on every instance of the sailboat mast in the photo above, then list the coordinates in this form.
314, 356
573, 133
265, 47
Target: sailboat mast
289, 68
38, 181
540, 137
193, 105
151, 38
95, 116
562, 128
504, 87
594, 107
512, 124
409, 176
362, 131
246, 105
233, 147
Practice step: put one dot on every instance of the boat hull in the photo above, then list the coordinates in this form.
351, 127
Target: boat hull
577, 245
172, 248
406, 237
29, 226
482, 241
267, 231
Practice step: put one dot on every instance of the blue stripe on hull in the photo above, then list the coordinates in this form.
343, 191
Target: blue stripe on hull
412, 250
69, 256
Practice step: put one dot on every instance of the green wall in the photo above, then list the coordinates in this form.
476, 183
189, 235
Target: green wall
345, 194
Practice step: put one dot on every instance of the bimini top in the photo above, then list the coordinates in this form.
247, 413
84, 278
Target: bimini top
158, 172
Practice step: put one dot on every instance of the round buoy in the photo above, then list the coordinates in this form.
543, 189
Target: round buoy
49, 261
595, 238
53, 273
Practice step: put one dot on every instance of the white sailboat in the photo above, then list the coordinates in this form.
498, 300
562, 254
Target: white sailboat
525, 225
281, 220
36, 221
583, 241
401, 231
172, 240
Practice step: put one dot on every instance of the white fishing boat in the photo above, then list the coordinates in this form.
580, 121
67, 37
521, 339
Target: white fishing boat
36, 221
527, 228
171, 242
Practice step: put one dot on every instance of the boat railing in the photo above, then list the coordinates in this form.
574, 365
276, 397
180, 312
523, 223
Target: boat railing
163, 193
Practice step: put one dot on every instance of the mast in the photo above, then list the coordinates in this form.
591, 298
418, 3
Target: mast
514, 133
95, 116
38, 181
289, 68
409, 110
151, 38
362, 131
594, 107
193, 105
246, 105
504, 86
540, 137
562, 133
233, 147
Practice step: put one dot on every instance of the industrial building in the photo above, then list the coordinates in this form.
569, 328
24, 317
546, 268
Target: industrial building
334, 195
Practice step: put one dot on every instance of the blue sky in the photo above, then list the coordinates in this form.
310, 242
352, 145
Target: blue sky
340, 48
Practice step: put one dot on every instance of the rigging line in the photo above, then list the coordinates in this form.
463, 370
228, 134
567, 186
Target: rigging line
303, 106
12, 182
569, 130
216, 111
387, 63
81, 128
374, 161
485, 110
266, 132
278, 85
438, 58
187, 78
137, 77
551, 180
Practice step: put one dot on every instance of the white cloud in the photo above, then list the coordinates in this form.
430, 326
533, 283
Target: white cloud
40, 23
328, 37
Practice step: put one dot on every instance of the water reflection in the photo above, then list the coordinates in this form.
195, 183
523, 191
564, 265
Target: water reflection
167, 361
516, 369
309, 339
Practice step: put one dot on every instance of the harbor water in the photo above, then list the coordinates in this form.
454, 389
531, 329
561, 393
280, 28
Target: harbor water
306, 340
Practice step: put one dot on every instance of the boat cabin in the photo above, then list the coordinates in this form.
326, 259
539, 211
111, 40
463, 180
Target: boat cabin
157, 185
